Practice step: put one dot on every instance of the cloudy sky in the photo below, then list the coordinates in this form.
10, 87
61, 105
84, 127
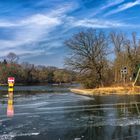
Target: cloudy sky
36, 29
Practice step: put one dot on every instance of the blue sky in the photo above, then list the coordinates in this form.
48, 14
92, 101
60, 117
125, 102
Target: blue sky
36, 29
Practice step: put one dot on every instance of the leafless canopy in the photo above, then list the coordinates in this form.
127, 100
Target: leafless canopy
12, 57
89, 51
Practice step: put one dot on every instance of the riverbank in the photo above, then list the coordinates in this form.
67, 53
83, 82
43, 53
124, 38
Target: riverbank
108, 91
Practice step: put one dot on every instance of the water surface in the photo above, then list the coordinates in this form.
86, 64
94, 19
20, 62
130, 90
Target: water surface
54, 113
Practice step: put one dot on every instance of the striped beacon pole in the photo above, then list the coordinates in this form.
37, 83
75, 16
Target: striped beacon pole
10, 107
11, 81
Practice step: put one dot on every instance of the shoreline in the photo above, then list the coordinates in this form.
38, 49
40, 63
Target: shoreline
107, 91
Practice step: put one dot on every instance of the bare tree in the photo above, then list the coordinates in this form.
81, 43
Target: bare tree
133, 53
89, 51
12, 57
118, 41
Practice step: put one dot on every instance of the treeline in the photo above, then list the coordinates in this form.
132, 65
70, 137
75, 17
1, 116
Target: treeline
29, 73
104, 59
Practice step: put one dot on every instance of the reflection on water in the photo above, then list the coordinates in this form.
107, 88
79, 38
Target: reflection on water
117, 121
66, 116
10, 105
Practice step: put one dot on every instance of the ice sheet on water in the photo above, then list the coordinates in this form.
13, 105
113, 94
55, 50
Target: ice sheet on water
119, 122
11, 136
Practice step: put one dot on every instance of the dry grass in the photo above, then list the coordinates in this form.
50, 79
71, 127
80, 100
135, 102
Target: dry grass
126, 90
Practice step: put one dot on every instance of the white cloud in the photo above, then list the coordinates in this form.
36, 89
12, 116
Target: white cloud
96, 23
40, 20
37, 19
4, 23
30, 30
112, 3
36, 28
109, 4
123, 7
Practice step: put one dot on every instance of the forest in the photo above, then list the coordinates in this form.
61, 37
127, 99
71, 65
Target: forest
26, 73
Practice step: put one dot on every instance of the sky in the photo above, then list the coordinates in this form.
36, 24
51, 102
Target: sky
35, 30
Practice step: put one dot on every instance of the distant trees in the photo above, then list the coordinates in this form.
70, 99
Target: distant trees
90, 57
29, 73
63, 76
8, 69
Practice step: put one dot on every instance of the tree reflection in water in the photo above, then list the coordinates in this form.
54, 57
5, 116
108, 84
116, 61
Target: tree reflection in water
114, 122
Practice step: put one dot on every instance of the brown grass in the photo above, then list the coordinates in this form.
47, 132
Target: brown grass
126, 90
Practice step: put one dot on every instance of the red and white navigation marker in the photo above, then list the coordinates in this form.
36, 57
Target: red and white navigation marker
11, 79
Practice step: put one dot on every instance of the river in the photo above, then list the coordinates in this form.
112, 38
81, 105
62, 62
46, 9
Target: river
54, 113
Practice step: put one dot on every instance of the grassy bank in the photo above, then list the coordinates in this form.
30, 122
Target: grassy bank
108, 90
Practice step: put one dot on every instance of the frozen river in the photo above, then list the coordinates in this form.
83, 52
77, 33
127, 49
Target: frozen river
54, 113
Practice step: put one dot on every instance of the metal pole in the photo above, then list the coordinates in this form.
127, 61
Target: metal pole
136, 78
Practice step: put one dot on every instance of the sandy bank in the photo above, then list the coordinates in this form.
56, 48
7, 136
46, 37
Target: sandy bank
108, 91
